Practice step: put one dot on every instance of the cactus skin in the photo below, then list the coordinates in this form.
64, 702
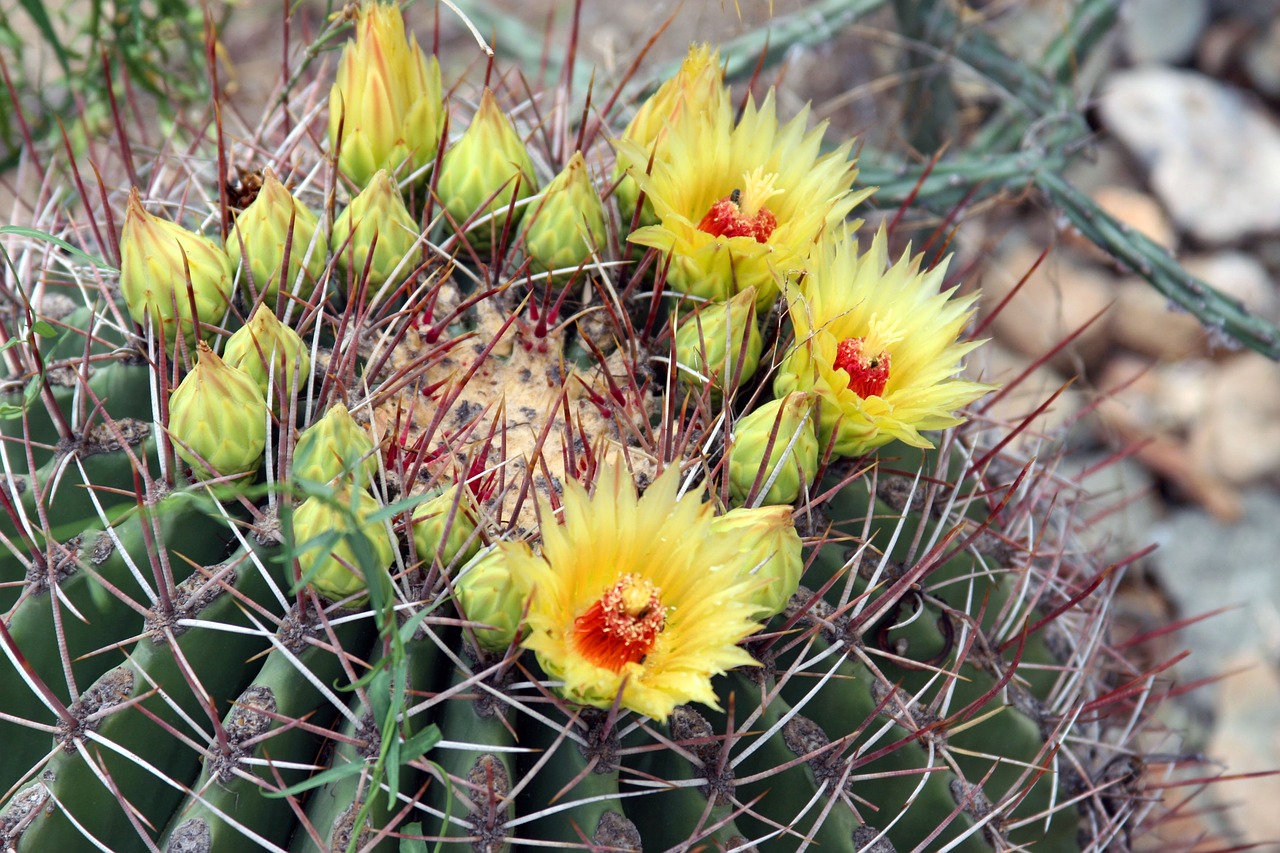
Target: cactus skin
933, 651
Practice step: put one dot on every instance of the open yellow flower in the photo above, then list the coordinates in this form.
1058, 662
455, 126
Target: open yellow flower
878, 342
738, 206
635, 595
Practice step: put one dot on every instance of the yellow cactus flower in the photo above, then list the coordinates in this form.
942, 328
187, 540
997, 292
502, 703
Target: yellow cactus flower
217, 418
258, 239
566, 227
375, 222
386, 103
772, 553
624, 598
741, 206
156, 258
878, 342
333, 446
272, 353
341, 547
490, 599
483, 171
697, 87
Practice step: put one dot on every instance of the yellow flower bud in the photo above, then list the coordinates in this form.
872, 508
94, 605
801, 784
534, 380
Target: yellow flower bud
155, 256
792, 460
386, 106
697, 86
709, 343
338, 545
259, 236
567, 226
217, 418
430, 519
376, 214
487, 597
483, 171
332, 446
264, 341
770, 552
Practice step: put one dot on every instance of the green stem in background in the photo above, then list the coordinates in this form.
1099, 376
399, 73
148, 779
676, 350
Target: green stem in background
929, 105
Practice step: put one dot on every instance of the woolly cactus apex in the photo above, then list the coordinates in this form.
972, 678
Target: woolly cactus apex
712, 342
273, 220
782, 429
444, 527
166, 272
386, 106
332, 446
375, 231
340, 548
697, 87
270, 352
217, 418
484, 171
489, 597
769, 550
566, 228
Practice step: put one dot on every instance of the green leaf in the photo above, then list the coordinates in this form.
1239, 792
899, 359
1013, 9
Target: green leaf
412, 845
74, 251
44, 329
418, 745
333, 774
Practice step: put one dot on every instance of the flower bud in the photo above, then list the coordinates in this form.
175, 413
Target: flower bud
155, 256
385, 107
567, 225
217, 415
792, 460
430, 519
483, 171
770, 552
258, 237
332, 446
264, 341
709, 343
487, 596
354, 545
377, 221
698, 86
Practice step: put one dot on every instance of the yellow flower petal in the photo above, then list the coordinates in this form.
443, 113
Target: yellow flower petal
627, 596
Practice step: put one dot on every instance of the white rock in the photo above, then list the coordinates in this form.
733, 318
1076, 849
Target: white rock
1214, 157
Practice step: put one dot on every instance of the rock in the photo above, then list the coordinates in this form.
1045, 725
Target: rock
1162, 30
1261, 59
1246, 740
1057, 300
1214, 158
1147, 322
1000, 366
1237, 434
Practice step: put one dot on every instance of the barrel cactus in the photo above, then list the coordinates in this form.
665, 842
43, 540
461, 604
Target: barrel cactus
503, 572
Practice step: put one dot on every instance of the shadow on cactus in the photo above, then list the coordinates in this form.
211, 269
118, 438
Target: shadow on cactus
457, 515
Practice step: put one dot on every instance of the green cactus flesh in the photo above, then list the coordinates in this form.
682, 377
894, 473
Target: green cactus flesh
172, 680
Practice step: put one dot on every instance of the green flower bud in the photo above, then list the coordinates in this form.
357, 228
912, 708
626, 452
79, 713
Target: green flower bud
332, 446
709, 342
430, 519
339, 566
386, 100
264, 341
217, 415
487, 596
792, 460
480, 172
378, 213
155, 256
770, 552
262, 229
567, 226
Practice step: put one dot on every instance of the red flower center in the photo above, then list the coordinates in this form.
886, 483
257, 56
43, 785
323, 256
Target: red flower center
868, 374
726, 218
622, 626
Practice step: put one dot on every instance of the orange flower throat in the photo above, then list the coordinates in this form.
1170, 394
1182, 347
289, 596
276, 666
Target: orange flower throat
622, 626
728, 218
868, 374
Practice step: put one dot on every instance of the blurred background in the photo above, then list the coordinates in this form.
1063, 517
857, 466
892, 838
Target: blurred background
1149, 126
